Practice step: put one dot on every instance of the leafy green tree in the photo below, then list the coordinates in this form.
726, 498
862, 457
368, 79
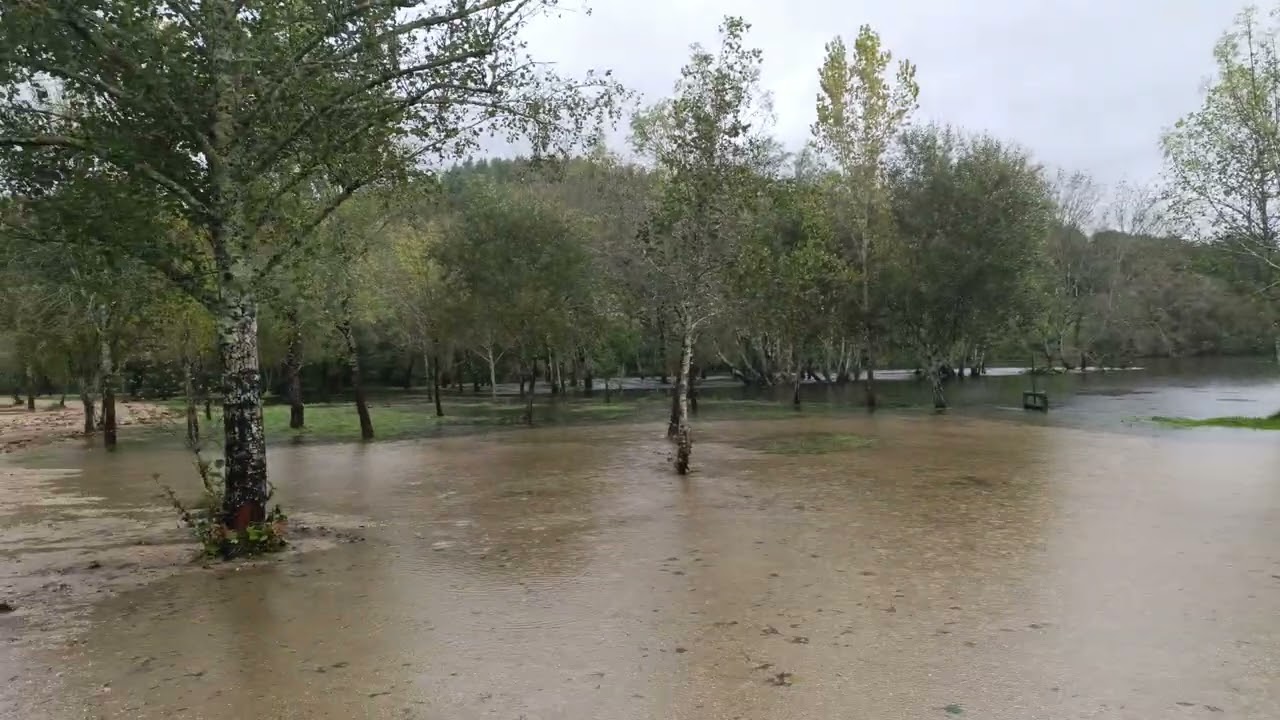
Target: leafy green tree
230, 109
972, 216
791, 282
860, 112
1223, 160
521, 264
708, 154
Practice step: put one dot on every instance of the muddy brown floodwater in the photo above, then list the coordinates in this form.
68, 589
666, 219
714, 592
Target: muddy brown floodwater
947, 567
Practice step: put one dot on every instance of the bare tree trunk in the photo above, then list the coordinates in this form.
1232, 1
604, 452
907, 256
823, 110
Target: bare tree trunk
662, 349
426, 367
553, 373
108, 396
493, 374
693, 393
31, 387
684, 435
408, 372
933, 372
245, 443
588, 377
435, 384
193, 414
293, 373
357, 384
870, 386
86, 399
528, 408
673, 423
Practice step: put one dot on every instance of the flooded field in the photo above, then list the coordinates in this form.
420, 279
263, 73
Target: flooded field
983, 564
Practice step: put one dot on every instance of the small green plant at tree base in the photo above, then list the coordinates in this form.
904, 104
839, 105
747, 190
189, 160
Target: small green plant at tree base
205, 521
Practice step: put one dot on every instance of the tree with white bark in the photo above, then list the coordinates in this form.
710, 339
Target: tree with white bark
709, 155
1223, 160
230, 107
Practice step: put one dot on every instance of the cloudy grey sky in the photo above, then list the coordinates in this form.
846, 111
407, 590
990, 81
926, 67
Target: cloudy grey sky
1085, 84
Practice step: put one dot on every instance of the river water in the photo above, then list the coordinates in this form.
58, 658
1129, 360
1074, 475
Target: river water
987, 563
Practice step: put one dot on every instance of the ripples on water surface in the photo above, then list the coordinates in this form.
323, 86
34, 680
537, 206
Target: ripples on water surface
987, 563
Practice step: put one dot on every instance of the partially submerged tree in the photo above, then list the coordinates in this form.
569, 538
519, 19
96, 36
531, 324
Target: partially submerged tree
229, 108
519, 264
709, 155
860, 112
972, 215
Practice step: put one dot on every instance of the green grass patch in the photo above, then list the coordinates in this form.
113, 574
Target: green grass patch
413, 418
404, 416
813, 444
1246, 423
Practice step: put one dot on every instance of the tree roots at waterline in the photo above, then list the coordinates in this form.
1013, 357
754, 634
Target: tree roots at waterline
684, 449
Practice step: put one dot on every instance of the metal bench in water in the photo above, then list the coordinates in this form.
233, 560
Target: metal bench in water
1034, 400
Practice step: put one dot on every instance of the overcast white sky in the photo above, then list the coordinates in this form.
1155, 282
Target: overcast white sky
1085, 84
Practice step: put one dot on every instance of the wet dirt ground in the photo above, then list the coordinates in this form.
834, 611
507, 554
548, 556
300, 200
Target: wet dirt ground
21, 429
939, 567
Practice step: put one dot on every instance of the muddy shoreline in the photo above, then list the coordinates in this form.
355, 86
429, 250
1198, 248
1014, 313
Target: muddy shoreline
23, 429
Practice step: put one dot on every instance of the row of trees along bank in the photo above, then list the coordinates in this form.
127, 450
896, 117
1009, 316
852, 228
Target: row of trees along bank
189, 199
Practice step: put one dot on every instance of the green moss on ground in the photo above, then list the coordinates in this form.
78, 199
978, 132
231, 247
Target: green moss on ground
1247, 423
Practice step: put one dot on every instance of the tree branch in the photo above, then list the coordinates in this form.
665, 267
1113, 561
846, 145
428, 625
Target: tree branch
273, 154
66, 141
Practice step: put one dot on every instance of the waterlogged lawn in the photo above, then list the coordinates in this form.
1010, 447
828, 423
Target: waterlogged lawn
814, 444
401, 417
1247, 423
338, 422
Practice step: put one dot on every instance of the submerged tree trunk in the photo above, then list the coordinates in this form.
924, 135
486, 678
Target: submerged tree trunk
357, 383
31, 387
933, 371
108, 396
245, 444
684, 434
86, 399
293, 373
435, 384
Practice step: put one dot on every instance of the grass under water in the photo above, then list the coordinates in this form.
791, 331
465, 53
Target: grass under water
1239, 422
